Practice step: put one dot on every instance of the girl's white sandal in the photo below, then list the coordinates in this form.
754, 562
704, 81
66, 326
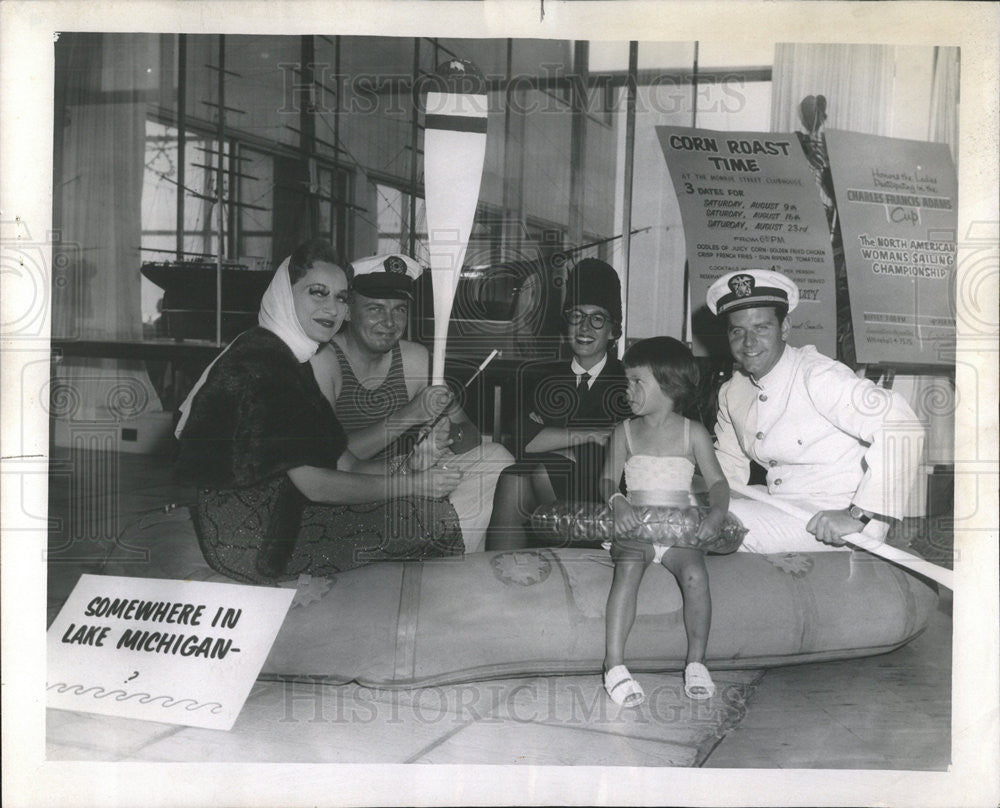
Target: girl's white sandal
622, 688
698, 682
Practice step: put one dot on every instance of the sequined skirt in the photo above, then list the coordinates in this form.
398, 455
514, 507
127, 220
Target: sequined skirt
269, 532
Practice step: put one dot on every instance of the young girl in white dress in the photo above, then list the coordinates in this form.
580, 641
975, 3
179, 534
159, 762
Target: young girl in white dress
658, 450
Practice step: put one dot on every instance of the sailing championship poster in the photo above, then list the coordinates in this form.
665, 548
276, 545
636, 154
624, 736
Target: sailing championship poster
897, 202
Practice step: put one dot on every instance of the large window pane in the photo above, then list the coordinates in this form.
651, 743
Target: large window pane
256, 193
159, 212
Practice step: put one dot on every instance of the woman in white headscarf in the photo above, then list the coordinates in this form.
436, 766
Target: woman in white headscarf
279, 494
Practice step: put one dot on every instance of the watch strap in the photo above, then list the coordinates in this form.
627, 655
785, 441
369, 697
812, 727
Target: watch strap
857, 513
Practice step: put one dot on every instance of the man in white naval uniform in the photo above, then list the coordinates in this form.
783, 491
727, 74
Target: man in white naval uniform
833, 444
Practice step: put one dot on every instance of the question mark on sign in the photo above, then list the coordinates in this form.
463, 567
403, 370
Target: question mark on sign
130, 678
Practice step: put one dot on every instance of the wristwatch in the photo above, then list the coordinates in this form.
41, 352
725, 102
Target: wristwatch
856, 513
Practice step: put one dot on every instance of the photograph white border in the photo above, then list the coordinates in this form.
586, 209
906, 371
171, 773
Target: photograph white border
26, 111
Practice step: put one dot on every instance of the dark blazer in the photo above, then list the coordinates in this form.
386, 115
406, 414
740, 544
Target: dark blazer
549, 398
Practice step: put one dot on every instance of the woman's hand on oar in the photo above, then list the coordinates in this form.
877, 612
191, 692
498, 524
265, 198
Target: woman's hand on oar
434, 483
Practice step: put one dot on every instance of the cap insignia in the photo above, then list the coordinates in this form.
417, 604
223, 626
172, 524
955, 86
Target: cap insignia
395, 265
741, 285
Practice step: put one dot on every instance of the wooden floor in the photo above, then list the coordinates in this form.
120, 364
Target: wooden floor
887, 712
539, 721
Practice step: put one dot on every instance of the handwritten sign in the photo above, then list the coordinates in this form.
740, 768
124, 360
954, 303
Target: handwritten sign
898, 217
181, 652
748, 200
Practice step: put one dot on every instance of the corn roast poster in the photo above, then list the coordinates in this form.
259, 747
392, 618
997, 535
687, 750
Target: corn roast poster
749, 200
180, 652
897, 202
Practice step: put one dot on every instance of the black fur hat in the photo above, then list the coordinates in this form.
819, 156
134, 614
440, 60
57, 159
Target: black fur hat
595, 283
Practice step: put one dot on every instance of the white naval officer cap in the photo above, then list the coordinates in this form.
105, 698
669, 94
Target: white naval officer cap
749, 288
388, 276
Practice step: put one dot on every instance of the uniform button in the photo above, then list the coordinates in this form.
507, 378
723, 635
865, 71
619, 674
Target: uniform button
778, 481
760, 436
762, 397
772, 463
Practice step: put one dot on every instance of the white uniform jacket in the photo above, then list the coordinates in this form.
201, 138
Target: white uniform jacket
824, 436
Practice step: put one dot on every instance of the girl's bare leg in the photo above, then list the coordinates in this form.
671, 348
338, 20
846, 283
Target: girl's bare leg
688, 567
620, 612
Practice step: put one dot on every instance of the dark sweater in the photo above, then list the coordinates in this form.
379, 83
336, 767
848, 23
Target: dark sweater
259, 413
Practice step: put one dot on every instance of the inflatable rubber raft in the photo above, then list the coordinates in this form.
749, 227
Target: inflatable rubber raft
538, 612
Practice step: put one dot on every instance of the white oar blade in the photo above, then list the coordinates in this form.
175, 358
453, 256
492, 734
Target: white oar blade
454, 154
912, 562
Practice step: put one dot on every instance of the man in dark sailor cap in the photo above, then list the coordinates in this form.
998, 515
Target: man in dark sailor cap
385, 277
378, 385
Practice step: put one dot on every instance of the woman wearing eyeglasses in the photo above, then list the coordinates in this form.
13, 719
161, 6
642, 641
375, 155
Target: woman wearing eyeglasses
567, 411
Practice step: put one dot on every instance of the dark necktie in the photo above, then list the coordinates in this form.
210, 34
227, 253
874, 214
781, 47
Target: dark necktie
582, 388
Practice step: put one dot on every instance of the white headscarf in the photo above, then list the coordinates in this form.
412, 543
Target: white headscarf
277, 315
